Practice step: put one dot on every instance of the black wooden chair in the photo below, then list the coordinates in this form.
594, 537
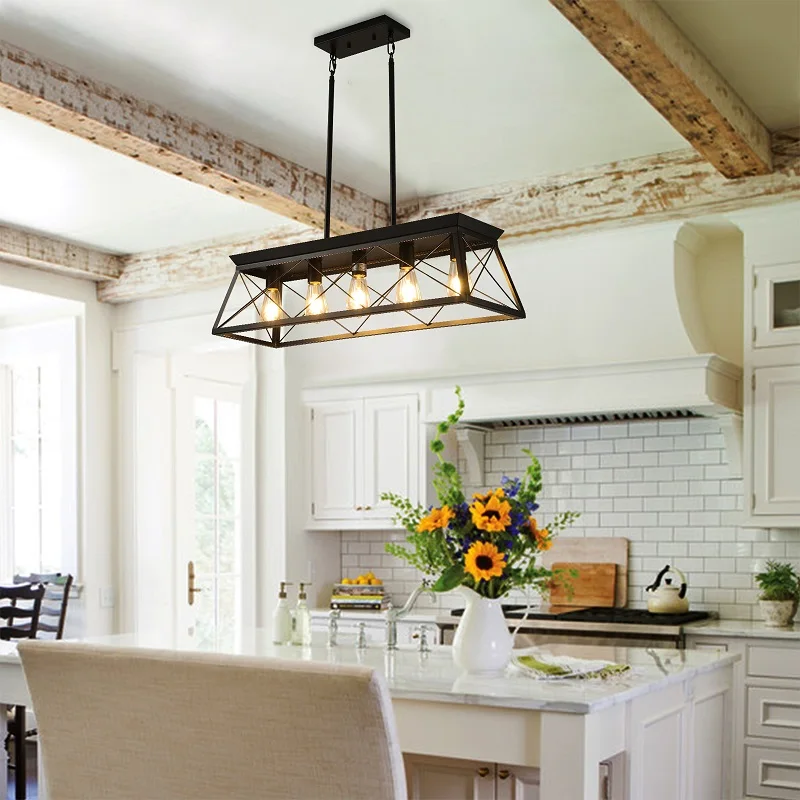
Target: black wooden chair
53, 613
20, 606
50, 618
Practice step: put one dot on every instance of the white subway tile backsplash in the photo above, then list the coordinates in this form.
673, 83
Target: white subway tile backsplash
665, 485
673, 427
600, 446
673, 458
643, 459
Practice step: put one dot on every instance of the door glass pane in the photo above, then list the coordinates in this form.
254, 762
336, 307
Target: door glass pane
205, 545
227, 545
205, 484
786, 304
204, 424
26, 401
217, 547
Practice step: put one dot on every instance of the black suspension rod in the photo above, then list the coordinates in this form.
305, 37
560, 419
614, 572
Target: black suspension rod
329, 154
392, 147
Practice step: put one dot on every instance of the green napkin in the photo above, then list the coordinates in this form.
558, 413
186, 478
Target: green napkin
557, 670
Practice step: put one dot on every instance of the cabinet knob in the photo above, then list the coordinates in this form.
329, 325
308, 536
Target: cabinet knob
367, 508
358, 508
483, 772
503, 774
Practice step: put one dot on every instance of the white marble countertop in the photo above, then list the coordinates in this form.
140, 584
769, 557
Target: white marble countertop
740, 628
434, 677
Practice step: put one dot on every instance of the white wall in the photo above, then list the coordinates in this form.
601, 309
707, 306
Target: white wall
97, 558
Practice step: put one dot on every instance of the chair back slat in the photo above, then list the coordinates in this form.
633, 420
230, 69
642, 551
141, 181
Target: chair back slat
15, 612
54, 602
20, 606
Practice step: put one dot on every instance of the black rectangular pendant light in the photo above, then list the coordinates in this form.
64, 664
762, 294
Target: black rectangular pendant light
429, 273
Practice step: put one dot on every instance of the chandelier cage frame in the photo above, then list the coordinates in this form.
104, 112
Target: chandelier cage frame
425, 274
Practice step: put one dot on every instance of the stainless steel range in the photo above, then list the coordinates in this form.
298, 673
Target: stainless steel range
604, 626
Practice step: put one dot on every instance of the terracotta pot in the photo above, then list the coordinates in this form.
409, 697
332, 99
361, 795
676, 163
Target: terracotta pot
777, 613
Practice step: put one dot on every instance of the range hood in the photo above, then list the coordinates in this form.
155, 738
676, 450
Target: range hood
704, 385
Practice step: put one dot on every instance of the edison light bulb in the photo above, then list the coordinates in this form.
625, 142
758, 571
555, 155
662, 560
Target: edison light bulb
358, 295
271, 307
316, 301
408, 287
453, 279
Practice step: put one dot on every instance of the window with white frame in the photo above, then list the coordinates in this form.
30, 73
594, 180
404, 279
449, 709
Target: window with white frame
38, 464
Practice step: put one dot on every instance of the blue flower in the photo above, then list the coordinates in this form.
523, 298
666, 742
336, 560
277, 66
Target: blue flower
511, 486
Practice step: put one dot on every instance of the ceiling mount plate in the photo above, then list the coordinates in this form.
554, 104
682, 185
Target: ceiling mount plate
362, 36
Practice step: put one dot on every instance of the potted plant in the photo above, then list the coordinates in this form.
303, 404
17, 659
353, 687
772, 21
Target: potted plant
485, 547
780, 590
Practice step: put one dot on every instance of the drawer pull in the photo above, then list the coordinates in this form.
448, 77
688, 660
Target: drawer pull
503, 774
483, 772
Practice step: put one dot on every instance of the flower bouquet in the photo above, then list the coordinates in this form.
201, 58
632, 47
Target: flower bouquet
486, 546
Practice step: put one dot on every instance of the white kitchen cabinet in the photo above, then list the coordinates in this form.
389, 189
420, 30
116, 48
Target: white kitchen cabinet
361, 448
765, 727
430, 778
516, 783
337, 462
776, 441
776, 305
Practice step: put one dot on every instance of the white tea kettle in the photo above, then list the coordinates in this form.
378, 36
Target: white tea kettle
667, 599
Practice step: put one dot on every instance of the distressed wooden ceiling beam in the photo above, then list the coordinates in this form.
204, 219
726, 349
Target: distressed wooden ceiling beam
677, 185
176, 270
642, 43
55, 255
129, 125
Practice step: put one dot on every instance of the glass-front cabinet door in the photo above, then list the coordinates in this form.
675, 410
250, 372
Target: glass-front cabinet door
777, 305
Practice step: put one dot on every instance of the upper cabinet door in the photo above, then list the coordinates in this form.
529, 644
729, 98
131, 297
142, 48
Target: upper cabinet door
776, 441
337, 465
776, 306
391, 452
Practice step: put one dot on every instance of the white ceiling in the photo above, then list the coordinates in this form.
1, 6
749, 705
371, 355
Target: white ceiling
755, 44
67, 187
487, 92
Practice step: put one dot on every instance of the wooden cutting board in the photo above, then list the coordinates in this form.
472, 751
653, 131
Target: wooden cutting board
592, 585
596, 550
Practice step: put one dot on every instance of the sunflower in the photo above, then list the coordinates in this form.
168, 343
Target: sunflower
437, 518
484, 561
541, 535
490, 512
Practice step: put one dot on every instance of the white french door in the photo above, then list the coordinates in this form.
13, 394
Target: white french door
215, 545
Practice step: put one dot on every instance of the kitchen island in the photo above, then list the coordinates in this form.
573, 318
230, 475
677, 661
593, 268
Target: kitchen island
664, 725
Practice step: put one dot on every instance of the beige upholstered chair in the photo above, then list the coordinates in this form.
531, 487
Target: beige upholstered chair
129, 724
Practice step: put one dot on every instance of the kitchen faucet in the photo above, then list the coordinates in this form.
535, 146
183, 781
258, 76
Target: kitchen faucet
393, 614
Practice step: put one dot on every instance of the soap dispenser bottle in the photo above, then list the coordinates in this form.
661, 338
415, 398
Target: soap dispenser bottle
302, 619
282, 618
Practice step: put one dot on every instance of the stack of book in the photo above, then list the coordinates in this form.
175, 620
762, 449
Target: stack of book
358, 597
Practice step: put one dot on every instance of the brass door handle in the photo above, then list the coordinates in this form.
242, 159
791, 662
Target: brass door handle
192, 590
503, 774
483, 772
